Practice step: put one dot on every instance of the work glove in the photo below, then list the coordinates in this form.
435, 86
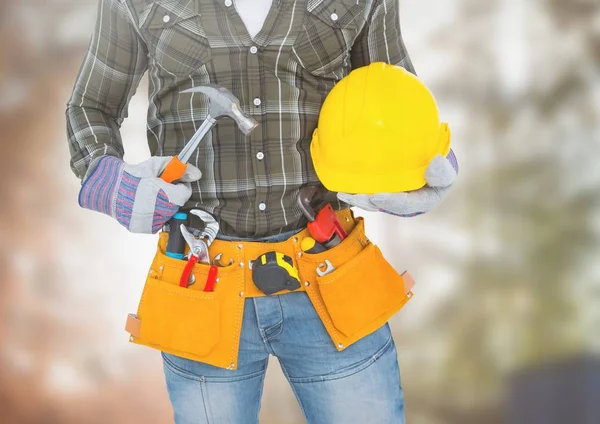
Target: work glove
134, 194
440, 175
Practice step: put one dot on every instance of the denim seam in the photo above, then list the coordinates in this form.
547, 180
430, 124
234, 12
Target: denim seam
263, 332
349, 372
262, 386
260, 330
204, 391
293, 389
264, 339
186, 374
280, 323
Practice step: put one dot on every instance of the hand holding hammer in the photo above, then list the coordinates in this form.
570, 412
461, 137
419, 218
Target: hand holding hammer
222, 103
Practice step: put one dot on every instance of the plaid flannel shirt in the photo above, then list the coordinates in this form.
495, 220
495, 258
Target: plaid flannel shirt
281, 77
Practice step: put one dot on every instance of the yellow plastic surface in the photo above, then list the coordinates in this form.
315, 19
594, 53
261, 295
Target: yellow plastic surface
378, 130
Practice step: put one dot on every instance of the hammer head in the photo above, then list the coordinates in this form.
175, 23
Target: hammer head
223, 103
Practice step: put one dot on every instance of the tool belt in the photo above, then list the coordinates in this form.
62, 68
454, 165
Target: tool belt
354, 300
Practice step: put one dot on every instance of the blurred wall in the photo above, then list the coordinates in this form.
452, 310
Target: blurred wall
506, 269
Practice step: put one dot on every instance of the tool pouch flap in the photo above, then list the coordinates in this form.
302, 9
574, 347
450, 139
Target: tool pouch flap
364, 291
177, 318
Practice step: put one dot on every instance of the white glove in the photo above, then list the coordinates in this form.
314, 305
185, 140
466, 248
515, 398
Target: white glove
440, 175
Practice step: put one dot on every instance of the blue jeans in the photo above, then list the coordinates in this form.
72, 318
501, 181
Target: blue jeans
360, 384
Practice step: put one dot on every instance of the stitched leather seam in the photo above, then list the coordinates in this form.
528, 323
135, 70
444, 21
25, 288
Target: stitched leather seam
341, 248
236, 334
342, 271
187, 296
326, 318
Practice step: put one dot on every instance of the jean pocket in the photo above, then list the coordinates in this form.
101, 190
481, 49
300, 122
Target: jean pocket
176, 39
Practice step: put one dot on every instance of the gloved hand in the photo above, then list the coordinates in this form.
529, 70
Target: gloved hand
440, 175
134, 194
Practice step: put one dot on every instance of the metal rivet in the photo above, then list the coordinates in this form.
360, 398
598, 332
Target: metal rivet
217, 280
166, 19
340, 345
231, 366
150, 272
201, 378
409, 295
131, 339
241, 294
299, 254
295, 239
334, 17
161, 267
321, 265
347, 219
306, 283
241, 264
240, 246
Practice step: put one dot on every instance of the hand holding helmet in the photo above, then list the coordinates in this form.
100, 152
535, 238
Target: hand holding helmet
380, 138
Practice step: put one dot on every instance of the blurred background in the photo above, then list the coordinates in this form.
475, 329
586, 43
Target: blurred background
505, 323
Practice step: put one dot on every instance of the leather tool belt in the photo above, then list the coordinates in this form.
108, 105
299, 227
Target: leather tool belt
354, 300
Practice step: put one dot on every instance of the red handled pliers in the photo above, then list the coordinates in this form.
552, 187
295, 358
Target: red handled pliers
199, 249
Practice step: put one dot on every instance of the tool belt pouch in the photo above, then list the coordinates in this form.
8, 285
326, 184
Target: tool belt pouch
360, 294
188, 322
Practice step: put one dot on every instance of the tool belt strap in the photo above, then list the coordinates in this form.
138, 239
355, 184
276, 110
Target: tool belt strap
237, 256
356, 298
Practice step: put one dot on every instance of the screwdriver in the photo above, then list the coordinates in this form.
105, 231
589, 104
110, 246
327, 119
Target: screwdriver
309, 245
176, 243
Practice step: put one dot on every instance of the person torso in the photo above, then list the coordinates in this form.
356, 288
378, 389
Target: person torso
280, 61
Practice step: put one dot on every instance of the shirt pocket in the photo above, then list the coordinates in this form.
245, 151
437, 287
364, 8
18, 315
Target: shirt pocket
328, 32
175, 37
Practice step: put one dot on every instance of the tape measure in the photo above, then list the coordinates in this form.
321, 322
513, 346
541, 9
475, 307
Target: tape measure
273, 272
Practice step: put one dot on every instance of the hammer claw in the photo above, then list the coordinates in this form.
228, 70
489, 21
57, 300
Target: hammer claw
222, 103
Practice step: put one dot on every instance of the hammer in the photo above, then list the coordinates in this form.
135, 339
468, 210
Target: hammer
222, 103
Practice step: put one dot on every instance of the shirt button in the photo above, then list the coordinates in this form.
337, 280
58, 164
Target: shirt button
262, 206
253, 49
334, 17
228, 3
166, 19
260, 156
257, 102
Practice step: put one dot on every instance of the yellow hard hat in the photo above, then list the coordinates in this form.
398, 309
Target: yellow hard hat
378, 130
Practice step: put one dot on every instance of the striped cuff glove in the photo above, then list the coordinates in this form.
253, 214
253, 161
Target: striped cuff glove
440, 175
134, 194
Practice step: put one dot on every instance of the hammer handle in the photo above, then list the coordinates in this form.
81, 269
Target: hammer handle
174, 170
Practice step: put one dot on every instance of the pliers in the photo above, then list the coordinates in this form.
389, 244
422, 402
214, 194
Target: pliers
198, 245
